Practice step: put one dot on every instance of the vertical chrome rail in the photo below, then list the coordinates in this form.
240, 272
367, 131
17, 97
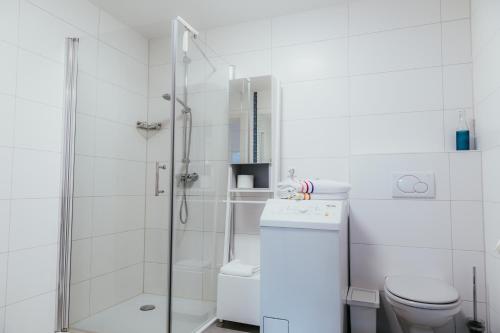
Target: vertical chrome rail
171, 191
67, 174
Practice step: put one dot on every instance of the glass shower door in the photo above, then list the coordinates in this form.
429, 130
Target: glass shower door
200, 178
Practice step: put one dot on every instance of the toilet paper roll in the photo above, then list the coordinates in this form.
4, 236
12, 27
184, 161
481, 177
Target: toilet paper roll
245, 181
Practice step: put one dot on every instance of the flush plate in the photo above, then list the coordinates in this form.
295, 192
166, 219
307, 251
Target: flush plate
413, 185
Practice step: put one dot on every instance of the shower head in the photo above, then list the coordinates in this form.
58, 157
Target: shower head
166, 97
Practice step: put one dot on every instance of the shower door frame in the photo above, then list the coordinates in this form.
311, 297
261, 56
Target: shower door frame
67, 185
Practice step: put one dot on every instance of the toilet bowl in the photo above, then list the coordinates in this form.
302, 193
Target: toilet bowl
421, 304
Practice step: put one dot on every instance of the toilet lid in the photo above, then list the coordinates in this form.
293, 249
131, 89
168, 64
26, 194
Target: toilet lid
422, 290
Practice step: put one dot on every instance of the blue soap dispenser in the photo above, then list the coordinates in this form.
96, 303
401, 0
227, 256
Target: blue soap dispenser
463, 133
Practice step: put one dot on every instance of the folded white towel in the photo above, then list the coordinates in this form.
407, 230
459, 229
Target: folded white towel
236, 268
313, 196
320, 186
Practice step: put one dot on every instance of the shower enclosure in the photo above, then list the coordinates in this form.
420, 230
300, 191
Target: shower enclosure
142, 191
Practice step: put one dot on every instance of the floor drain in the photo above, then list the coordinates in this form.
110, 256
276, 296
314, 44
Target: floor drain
147, 307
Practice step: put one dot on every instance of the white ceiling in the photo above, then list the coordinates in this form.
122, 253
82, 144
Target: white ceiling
152, 17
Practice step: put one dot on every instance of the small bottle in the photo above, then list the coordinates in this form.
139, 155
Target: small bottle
463, 134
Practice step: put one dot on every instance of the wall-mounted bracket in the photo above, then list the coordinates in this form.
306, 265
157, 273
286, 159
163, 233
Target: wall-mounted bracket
148, 126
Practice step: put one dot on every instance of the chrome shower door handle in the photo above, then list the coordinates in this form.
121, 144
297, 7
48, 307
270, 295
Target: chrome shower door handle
157, 178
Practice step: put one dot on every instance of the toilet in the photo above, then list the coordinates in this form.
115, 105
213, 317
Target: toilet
421, 304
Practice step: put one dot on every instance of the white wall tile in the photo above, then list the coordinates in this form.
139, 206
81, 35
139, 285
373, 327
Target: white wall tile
155, 278
312, 168
228, 40
81, 256
465, 176
396, 50
80, 13
487, 70
315, 25
159, 51
42, 33
35, 174
491, 227
457, 83
463, 261
80, 306
401, 222
4, 226
316, 99
117, 214
486, 24
116, 104
115, 287
41, 310
24, 265
3, 278
456, 42
37, 126
119, 141
455, 9
118, 68
467, 225
6, 155
188, 283
397, 133
7, 112
328, 138
34, 222
9, 16
312, 61
122, 37
493, 289
85, 136
40, 79
8, 62
82, 217
487, 120
257, 63
156, 249
118, 177
371, 176
117, 251
189, 246
86, 90
369, 16
370, 264
407, 91
491, 165
84, 176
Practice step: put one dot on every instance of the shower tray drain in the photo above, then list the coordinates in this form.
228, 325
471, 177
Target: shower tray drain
147, 307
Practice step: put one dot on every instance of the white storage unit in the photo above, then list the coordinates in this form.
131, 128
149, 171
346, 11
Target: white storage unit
304, 279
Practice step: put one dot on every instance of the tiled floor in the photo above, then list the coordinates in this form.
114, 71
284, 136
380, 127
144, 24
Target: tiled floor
228, 327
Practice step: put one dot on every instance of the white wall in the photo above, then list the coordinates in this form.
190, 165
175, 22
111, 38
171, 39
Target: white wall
486, 52
372, 88
110, 173
31, 95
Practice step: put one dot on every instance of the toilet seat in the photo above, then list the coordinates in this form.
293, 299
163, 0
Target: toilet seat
420, 292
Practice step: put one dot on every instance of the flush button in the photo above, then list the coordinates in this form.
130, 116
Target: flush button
421, 187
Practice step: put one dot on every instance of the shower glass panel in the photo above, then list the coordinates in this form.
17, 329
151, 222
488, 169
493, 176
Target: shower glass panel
108, 256
200, 178
147, 202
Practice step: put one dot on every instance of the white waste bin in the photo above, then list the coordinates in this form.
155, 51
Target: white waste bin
363, 305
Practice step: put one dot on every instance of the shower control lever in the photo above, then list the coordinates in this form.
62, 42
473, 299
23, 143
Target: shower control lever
157, 178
